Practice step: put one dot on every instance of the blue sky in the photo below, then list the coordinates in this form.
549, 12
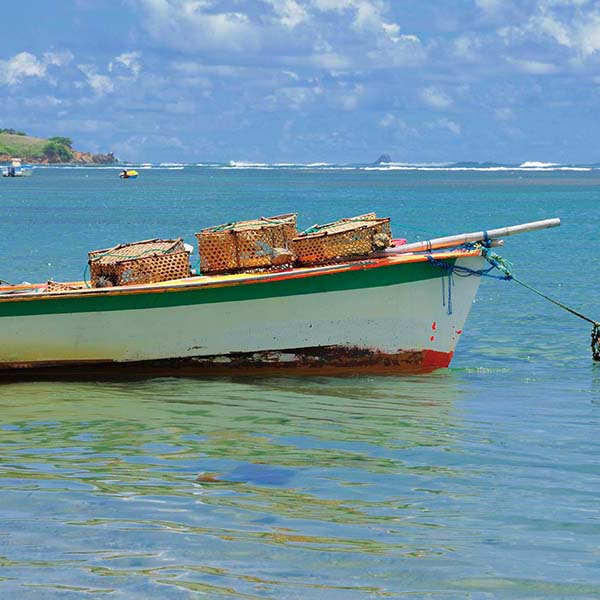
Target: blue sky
307, 80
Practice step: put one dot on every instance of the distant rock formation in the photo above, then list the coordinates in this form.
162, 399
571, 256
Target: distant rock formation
384, 158
96, 159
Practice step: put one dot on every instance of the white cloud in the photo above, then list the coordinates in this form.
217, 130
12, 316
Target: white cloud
338, 5
350, 101
128, 60
290, 13
292, 98
58, 59
490, 5
533, 67
368, 16
362, 34
24, 64
588, 35
100, 84
195, 25
330, 61
468, 48
42, 102
436, 98
452, 126
388, 120
571, 24
397, 126
549, 25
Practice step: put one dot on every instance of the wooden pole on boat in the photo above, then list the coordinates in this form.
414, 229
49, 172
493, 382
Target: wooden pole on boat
476, 236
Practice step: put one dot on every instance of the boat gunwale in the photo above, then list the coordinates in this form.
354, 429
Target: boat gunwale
212, 282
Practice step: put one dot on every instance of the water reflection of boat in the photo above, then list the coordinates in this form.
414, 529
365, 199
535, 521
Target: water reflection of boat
16, 169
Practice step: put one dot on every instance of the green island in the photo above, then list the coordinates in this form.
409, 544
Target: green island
59, 149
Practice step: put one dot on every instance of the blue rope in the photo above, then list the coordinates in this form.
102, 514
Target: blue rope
460, 271
497, 262
466, 272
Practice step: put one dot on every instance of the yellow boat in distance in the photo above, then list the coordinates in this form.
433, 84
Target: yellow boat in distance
128, 174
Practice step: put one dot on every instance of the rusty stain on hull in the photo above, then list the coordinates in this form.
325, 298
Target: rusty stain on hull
318, 360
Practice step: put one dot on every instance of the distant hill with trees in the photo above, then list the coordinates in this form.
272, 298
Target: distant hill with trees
58, 149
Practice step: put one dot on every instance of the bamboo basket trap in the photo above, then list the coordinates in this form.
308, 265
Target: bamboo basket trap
258, 244
343, 239
148, 261
58, 286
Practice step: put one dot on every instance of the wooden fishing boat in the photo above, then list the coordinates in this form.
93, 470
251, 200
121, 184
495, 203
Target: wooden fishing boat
398, 311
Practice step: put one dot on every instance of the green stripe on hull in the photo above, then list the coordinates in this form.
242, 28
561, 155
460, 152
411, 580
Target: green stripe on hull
235, 292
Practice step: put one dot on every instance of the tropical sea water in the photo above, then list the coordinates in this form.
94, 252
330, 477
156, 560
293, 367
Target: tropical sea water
480, 481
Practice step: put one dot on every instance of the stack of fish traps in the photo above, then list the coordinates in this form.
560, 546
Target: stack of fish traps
260, 244
148, 261
343, 239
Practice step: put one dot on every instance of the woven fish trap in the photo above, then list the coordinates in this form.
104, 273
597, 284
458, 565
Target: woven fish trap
57, 286
263, 243
343, 239
148, 261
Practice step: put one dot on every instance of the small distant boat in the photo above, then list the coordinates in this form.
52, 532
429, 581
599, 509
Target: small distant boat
128, 174
16, 169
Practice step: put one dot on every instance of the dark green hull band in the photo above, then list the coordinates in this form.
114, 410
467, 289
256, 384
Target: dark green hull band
373, 277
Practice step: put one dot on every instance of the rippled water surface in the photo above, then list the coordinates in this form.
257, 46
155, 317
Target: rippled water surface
481, 481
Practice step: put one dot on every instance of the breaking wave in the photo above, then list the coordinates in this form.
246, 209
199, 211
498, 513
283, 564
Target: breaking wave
489, 167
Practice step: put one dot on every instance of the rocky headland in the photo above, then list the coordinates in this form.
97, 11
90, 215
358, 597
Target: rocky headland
54, 150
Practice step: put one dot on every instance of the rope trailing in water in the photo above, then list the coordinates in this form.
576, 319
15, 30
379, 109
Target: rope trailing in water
502, 265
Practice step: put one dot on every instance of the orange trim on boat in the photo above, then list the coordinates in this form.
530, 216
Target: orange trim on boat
211, 282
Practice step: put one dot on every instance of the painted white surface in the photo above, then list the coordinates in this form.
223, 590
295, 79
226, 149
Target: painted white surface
388, 319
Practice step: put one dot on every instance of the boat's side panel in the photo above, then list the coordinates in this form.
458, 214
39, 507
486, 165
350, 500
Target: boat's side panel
406, 321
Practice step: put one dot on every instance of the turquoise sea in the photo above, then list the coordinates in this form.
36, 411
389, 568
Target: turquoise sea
481, 481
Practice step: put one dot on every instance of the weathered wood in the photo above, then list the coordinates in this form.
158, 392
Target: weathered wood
476, 236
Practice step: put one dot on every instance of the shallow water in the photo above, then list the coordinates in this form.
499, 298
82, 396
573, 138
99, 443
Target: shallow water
479, 481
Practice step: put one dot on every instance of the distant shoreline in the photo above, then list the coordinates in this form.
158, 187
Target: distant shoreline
55, 150
85, 158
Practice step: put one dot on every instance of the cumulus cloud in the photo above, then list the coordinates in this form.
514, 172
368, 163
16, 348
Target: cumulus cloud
397, 125
42, 102
468, 48
436, 98
20, 66
58, 59
289, 12
490, 5
533, 67
129, 61
571, 24
100, 84
195, 25
294, 98
26, 65
452, 126
362, 32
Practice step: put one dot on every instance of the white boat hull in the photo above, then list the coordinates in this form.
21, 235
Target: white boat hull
405, 325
